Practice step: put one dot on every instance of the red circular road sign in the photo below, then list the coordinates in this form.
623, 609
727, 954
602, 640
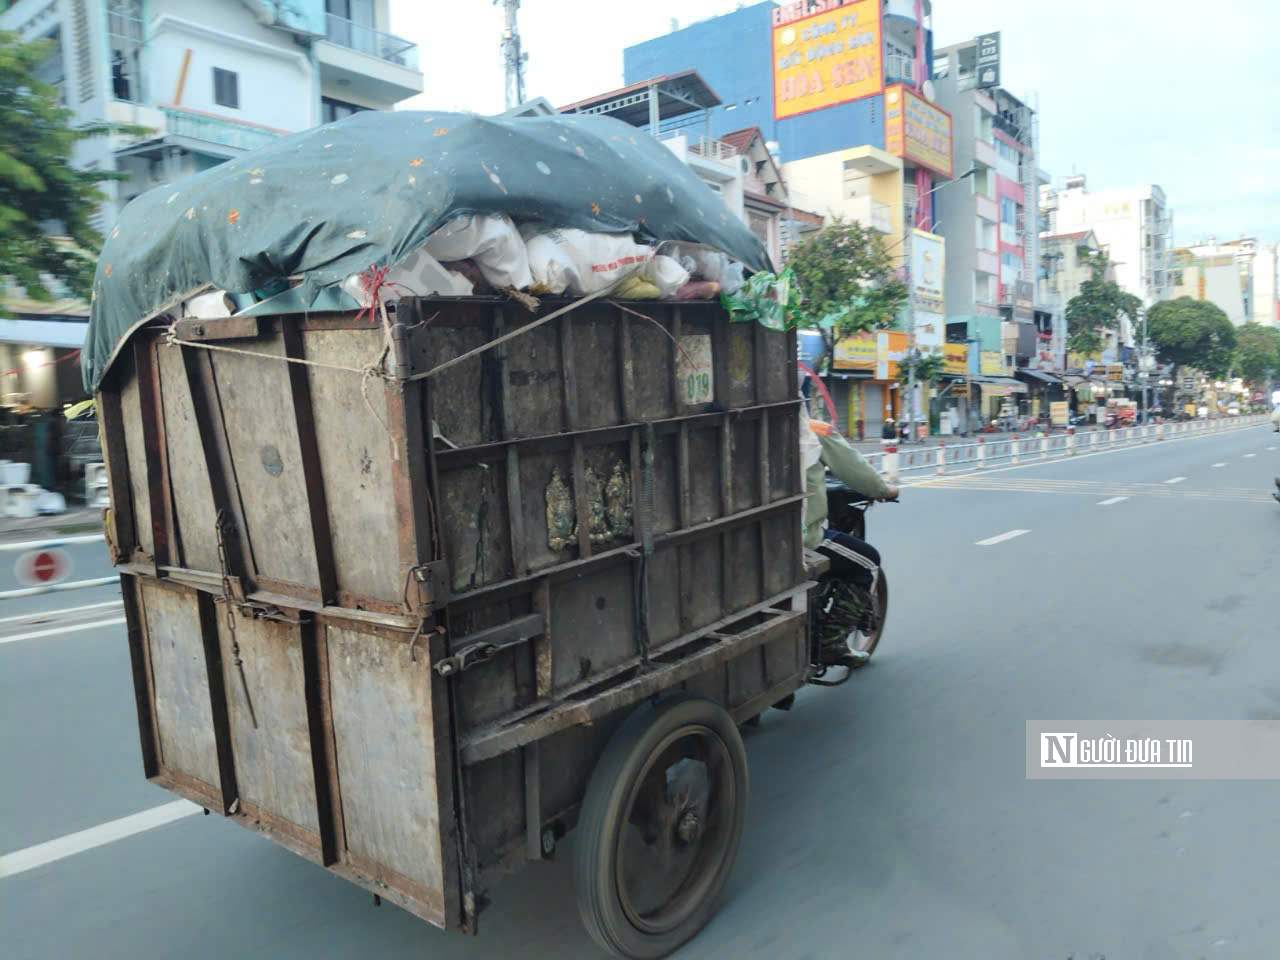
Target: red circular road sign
42, 568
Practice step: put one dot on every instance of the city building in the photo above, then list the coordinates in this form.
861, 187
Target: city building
1237, 275
740, 169
209, 80
842, 90
995, 299
1266, 294
1134, 225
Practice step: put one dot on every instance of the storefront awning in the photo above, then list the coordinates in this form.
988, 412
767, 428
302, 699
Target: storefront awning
1000, 386
1041, 376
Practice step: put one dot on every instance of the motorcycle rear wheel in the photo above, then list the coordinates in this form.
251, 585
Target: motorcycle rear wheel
866, 641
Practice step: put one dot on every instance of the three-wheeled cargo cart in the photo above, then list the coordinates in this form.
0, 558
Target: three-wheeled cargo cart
416, 625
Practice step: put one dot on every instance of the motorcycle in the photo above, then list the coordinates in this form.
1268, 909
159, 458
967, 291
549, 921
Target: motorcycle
846, 513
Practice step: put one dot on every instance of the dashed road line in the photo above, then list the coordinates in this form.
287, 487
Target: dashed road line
1249, 455
1176, 480
55, 631
21, 861
1001, 538
40, 616
1107, 503
1218, 464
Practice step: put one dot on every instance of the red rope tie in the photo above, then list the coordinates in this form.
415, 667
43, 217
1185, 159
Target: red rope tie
73, 355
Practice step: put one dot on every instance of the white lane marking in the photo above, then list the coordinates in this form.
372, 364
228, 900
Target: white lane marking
1248, 455
1219, 464
1000, 538
1270, 448
1176, 480
40, 616
54, 631
1107, 503
22, 860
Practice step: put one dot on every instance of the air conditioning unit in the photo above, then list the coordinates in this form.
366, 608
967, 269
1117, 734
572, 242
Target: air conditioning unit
744, 164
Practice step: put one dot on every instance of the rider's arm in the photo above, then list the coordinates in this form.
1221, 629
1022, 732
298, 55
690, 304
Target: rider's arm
853, 469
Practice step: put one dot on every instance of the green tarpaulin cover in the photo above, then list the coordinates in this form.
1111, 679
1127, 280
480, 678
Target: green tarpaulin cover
367, 190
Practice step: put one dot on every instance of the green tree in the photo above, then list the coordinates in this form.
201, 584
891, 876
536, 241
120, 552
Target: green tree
1098, 307
1192, 333
928, 370
848, 283
1257, 356
38, 186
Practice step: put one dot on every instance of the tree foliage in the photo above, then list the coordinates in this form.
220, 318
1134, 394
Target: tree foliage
1192, 333
38, 186
928, 369
1257, 356
1097, 308
848, 282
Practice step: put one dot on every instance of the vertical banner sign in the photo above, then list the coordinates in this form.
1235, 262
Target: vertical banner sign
927, 271
1058, 413
988, 60
825, 58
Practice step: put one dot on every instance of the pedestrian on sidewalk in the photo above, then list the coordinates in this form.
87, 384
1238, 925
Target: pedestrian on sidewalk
889, 431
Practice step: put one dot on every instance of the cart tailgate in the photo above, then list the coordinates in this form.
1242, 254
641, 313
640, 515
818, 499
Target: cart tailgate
329, 743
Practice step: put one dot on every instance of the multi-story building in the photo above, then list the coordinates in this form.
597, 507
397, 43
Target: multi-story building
211, 79
1266, 294
842, 89
995, 300
1134, 225
1221, 273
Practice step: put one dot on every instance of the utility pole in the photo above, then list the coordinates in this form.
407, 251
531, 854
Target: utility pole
513, 58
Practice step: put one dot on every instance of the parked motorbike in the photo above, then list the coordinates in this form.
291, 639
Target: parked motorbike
846, 513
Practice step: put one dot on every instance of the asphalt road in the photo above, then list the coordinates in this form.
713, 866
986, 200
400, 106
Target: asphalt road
890, 818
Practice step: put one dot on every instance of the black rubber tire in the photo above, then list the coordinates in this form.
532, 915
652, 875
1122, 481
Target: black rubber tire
867, 642
601, 820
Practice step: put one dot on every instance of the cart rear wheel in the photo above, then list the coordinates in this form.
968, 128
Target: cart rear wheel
866, 642
660, 826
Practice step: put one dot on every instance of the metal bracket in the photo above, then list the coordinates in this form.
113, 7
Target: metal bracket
485, 644
433, 585
267, 611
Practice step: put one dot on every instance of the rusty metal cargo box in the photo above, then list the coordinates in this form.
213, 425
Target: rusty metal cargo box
397, 648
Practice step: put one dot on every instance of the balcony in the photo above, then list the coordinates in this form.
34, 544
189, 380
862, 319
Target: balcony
366, 62
869, 213
899, 69
985, 154
987, 262
207, 128
712, 149
986, 208
384, 46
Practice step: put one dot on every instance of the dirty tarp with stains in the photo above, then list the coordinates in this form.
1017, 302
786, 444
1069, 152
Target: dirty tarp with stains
367, 190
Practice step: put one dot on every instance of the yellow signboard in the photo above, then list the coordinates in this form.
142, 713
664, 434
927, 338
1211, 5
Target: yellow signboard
991, 363
856, 352
1058, 413
916, 130
827, 58
1115, 371
877, 350
955, 359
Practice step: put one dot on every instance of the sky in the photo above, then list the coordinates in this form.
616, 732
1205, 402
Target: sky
1178, 93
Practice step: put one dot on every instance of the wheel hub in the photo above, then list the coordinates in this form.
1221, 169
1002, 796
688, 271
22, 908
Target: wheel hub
688, 827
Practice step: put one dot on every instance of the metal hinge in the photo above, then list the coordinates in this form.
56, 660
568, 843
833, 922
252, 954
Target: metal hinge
433, 585
466, 658
267, 611
485, 644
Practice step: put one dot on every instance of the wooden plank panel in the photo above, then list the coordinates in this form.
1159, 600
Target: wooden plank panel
355, 466
652, 368
594, 623
468, 396
193, 496
164, 548
184, 719
135, 449
122, 535
274, 770
705, 482
536, 473
477, 536
258, 410
384, 727
533, 383
740, 364
745, 464
594, 365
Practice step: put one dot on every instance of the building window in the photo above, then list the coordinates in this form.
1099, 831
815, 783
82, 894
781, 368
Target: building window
1008, 211
226, 88
331, 110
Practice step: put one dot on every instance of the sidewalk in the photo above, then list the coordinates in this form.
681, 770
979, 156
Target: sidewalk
77, 520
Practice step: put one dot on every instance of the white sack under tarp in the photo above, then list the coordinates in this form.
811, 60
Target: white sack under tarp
709, 265
211, 306
491, 241
579, 262
666, 274
419, 274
